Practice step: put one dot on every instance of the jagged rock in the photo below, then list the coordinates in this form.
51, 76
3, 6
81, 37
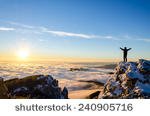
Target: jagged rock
36, 87
64, 93
144, 66
22, 91
130, 80
3, 90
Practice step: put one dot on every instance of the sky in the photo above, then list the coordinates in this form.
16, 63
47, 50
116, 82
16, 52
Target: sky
77, 30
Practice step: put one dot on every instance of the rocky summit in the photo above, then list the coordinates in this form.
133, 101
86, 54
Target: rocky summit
33, 87
130, 80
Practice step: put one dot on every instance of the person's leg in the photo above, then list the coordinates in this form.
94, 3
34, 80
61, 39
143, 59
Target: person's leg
124, 58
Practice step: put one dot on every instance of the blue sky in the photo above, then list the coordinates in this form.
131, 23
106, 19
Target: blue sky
75, 28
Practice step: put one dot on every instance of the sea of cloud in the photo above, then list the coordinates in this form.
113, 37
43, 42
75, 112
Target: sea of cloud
60, 71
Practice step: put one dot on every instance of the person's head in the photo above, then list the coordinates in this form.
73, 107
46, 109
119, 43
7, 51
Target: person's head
125, 47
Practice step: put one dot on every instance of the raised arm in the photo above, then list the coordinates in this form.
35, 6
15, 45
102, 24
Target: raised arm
129, 49
121, 48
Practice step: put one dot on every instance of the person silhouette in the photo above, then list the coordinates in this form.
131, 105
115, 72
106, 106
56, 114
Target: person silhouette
125, 52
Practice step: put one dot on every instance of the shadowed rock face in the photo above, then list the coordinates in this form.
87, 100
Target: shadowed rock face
3, 90
35, 87
131, 80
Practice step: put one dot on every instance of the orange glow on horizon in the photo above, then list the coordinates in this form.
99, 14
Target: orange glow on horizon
25, 56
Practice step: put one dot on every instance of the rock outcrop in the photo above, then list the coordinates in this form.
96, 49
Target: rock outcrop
3, 90
130, 80
34, 87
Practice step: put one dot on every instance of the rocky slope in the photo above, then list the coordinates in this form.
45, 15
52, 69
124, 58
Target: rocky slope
32, 87
130, 80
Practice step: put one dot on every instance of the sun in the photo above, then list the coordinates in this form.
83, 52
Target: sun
23, 54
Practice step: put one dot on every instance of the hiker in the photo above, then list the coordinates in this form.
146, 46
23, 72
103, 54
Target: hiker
125, 52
